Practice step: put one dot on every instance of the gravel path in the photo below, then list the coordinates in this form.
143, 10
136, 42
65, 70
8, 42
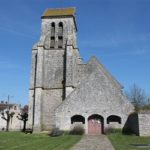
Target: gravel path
93, 142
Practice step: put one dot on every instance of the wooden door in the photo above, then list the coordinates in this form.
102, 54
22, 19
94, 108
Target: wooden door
94, 126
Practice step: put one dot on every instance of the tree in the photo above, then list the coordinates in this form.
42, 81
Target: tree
7, 115
24, 117
137, 96
147, 105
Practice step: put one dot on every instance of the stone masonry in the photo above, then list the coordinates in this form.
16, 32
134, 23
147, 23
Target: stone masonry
15, 124
144, 124
65, 91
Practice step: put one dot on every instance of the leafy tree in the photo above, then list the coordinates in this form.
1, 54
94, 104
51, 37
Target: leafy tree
7, 115
137, 96
24, 117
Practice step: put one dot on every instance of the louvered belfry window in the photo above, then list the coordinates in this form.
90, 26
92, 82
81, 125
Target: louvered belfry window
60, 35
52, 29
60, 42
52, 43
60, 29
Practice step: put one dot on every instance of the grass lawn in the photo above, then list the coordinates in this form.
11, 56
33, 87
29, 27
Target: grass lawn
21, 141
121, 142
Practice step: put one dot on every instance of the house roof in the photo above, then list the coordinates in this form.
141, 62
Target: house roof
4, 106
59, 12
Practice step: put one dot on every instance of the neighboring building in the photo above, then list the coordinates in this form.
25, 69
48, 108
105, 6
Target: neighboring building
64, 91
14, 124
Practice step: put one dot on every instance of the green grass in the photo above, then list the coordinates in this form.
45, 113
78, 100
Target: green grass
122, 142
21, 141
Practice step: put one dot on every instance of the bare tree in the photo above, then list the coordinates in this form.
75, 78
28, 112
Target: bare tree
24, 117
7, 115
137, 96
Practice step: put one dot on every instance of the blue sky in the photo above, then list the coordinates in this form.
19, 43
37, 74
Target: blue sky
117, 32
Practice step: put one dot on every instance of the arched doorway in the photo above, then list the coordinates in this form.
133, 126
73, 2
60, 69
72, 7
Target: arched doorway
77, 118
114, 118
95, 124
77, 123
114, 121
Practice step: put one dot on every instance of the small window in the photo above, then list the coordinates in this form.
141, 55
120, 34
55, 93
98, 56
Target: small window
60, 29
52, 29
52, 44
60, 42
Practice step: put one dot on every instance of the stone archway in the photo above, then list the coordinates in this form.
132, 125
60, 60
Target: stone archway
113, 118
95, 124
77, 118
77, 123
114, 121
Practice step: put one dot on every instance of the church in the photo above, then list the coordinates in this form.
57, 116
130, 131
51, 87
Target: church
64, 91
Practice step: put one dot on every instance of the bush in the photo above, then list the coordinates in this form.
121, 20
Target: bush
28, 130
56, 132
77, 130
112, 130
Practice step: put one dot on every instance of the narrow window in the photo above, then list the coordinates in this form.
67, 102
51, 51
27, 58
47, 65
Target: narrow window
52, 44
52, 29
52, 40
60, 42
60, 29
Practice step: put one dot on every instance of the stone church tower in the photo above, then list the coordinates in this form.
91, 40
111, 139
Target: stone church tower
64, 91
54, 60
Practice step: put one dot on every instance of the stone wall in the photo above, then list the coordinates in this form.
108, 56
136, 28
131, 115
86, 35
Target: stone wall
69, 31
2, 123
53, 71
138, 123
15, 124
58, 71
51, 99
144, 124
95, 94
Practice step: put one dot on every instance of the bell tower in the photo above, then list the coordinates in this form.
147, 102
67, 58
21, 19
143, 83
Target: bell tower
54, 61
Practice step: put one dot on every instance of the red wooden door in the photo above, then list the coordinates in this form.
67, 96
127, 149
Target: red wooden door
94, 126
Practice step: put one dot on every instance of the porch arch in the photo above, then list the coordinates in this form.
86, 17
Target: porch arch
95, 124
114, 118
77, 118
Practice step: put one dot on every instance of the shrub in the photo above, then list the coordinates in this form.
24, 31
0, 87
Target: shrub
28, 130
112, 130
77, 130
56, 132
